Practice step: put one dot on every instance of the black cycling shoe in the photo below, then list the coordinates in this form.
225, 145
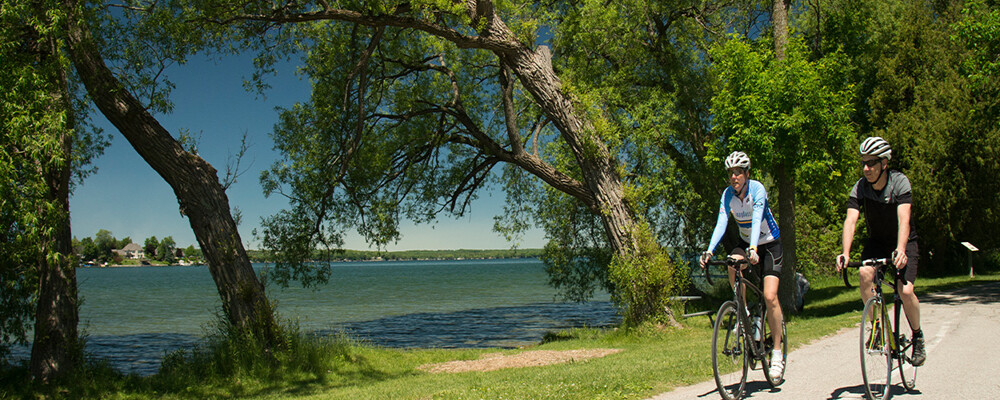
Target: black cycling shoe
919, 354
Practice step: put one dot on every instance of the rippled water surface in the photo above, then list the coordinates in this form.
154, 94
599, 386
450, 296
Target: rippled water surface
133, 316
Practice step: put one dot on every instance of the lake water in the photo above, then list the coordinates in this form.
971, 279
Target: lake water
133, 316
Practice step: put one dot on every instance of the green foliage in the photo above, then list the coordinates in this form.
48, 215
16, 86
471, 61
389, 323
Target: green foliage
644, 283
793, 111
381, 140
165, 250
936, 113
979, 32
35, 115
150, 246
924, 81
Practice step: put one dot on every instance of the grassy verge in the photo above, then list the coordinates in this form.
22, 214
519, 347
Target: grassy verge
653, 361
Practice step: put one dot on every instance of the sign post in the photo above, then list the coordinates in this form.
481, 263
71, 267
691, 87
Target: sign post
972, 249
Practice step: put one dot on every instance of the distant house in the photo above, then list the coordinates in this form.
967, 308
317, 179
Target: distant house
132, 251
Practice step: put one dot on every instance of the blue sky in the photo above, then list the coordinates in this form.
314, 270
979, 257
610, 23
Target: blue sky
127, 197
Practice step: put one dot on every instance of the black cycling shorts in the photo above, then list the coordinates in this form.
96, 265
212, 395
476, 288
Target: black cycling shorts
878, 250
770, 256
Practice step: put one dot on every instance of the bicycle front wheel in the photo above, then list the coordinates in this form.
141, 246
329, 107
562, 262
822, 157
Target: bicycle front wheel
907, 371
876, 355
729, 355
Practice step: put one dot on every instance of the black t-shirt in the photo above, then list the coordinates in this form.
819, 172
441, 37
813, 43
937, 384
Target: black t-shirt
879, 207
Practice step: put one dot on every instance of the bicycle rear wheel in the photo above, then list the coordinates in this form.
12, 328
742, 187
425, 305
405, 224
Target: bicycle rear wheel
876, 357
766, 333
729, 355
907, 371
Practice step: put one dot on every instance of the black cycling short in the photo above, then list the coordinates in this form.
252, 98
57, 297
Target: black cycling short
770, 256
878, 250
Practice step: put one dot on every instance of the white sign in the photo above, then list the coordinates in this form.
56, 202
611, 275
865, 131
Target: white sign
969, 246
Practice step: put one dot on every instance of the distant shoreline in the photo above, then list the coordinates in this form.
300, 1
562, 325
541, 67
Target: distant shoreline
372, 256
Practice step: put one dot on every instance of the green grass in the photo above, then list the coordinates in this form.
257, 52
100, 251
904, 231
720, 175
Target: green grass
654, 360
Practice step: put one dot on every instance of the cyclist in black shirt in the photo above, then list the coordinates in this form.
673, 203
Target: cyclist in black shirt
886, 199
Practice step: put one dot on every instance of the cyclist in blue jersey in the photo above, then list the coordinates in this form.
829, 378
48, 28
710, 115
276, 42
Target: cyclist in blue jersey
746, 200
886, 198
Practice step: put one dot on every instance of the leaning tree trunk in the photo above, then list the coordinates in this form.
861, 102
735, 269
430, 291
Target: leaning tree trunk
195, 183
533, 67
786, 184
55, 351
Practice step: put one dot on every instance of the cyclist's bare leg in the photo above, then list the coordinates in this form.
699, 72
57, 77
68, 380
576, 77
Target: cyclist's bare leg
911, 306
773, 308
866, 277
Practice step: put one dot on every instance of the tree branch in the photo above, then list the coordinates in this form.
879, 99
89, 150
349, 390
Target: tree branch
500, 44
510, 115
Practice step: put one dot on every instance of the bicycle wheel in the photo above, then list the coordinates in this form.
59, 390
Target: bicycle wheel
907, 371
729, 356
766, 333
876, 357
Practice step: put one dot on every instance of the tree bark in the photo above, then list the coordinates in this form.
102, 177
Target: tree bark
779, 16
533, 69
195, 183
55, 351
787, 289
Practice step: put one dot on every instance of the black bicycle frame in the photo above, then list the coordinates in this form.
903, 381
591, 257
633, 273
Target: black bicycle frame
739, 281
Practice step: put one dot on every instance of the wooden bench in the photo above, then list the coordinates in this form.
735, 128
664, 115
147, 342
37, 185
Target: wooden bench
694, 314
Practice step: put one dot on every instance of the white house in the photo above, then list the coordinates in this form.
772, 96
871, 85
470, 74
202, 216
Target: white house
131, 250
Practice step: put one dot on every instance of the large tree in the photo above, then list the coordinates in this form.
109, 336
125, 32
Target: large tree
199, 192
415, 103
47, 145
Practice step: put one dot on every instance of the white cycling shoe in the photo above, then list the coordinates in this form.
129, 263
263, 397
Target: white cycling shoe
777, 364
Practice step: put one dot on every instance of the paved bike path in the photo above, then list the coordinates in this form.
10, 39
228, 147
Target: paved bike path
962, 334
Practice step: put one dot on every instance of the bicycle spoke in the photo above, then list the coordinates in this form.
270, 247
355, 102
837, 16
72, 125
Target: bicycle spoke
729, 356
876, 355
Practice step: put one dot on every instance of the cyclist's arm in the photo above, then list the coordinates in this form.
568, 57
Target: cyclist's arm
903, 234
721, 221
850, 224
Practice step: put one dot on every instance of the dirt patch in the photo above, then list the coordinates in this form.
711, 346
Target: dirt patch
495, 361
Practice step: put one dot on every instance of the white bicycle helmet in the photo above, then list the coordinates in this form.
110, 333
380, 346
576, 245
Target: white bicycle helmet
738, 159
876, 146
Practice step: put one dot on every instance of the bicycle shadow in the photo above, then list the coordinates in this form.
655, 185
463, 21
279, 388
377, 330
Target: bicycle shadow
755, 387
751, 388
858, 392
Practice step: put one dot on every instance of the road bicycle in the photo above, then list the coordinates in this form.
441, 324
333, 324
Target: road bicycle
741, 335
881, 343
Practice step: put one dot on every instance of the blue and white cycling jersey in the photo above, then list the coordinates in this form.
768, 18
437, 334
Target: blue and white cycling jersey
752, 215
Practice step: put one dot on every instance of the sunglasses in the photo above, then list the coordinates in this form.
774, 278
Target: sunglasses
871, 163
